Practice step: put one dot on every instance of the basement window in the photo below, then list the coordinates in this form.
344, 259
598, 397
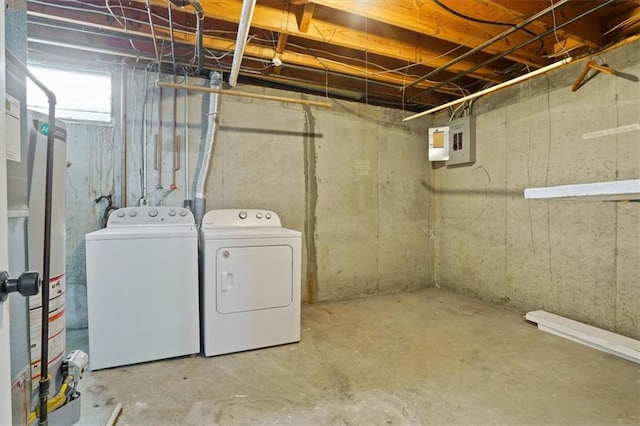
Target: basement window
80, 95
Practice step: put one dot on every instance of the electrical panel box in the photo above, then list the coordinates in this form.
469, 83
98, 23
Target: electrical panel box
439, 144
462, 141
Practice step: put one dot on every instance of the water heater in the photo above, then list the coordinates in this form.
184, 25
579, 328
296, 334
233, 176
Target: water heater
26, 175
38, 130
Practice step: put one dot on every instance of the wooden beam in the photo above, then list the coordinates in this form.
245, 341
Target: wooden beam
396, 43
586, 30
625, 22
304, 60
255, 51
427, 18
282, 43
305, 17
280, 47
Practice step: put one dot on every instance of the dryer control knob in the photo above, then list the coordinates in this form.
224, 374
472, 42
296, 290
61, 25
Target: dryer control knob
153, 212
183, 213
172, 213
242, 215
120, 213
259, 215
133, 213
268, 215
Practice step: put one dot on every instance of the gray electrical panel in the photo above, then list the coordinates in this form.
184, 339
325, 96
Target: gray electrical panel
462, 141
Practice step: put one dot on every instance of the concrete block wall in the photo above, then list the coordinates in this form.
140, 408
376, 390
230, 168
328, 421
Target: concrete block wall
579, 259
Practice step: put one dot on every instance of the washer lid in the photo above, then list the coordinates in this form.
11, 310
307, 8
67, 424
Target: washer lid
236, 232
146, 232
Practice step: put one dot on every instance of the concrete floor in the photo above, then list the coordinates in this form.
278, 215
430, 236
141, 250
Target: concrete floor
431, 357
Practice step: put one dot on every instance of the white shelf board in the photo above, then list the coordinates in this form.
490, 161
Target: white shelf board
588, 335
621, 190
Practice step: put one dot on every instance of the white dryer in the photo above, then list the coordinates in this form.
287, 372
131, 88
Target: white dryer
142, 287
250, 281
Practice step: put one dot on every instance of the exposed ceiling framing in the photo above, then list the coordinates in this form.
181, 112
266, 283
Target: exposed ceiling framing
411, 54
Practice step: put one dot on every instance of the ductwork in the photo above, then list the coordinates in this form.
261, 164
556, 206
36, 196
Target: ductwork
199, 30
200, 202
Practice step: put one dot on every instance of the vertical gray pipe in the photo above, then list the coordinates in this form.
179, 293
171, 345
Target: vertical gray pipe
123, 134
143, 197
200, 202
187, 187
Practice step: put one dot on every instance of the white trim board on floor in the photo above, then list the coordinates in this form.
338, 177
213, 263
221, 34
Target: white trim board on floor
621, 190
597, 338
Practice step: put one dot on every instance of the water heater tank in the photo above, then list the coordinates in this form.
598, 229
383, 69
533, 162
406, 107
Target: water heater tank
38, 130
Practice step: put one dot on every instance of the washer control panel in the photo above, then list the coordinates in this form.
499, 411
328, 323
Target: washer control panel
159, 215
241, 217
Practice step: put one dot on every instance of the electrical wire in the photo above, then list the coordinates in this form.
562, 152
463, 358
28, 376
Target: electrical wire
106, 3
482, 21
156, 17
153, 32
56, 401
211, 55
555, 32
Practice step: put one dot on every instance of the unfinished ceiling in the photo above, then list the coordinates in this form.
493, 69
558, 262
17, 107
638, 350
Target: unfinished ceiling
410, 54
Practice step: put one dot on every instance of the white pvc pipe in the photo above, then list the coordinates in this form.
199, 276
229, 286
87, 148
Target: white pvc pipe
491, 89
246, 15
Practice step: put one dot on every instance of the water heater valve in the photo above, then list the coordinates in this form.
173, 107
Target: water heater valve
75, 364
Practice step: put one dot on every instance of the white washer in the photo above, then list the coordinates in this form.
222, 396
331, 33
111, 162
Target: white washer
142, 287
250, 281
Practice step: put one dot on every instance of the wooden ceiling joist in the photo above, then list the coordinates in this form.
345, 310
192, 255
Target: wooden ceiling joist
404, 45
581, 31
372, 47
429, 19
304, 17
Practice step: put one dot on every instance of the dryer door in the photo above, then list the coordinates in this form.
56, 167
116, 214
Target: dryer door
253, 278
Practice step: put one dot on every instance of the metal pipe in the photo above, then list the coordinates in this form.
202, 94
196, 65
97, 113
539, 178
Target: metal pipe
187, 187
491, 89
200, 202
175, 139
158, 141
123, 136
246, 15
145, 140
46, 271
245, 94
173, 48
486, 43
157, 159
513, 49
